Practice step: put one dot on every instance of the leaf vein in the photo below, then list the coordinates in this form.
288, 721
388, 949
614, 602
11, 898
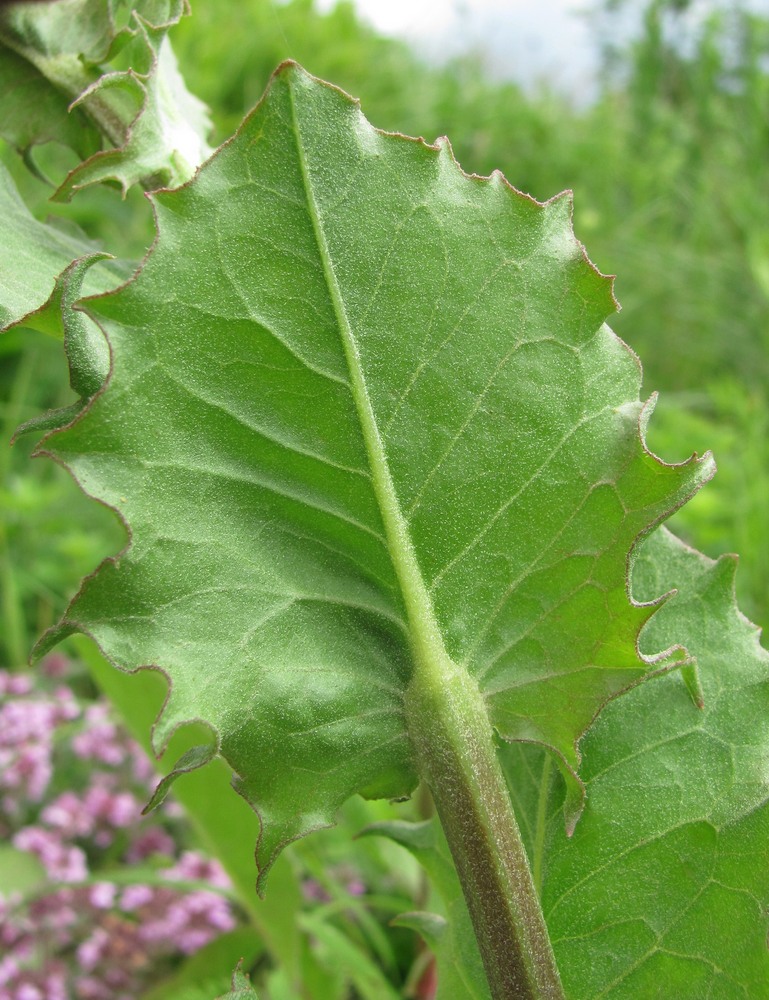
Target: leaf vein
486, 527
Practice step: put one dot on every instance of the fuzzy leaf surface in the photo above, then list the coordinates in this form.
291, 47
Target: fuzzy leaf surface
45, 270
48, 54
89, 73
35, 254
33, 112
344, 357
241, 987
663, 889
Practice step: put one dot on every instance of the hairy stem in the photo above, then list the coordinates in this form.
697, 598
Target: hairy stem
454, 741
539, 837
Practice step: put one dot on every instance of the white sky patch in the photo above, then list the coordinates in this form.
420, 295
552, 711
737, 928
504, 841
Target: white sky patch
426, 17
412, 18
520, 40
532, 42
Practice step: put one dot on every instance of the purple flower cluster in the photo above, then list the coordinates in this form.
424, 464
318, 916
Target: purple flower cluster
28, 722
100, 940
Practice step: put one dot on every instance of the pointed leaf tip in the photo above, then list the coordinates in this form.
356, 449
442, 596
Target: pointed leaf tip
241, 988
191, 760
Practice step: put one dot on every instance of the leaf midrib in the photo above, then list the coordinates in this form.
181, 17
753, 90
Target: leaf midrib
423, 630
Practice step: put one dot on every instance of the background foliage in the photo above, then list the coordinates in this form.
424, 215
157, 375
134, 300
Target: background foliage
668, 166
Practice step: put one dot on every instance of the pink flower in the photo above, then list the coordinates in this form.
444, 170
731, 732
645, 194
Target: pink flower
123, 810
28, 770
194, 867
57, 916
187, 921
67, 707
14, 684
100, 740
27, 991
66, 814
135, 896
55, 665
27, 727
62, 862
56, 983
9, 969
93, 988
97, 813
314, 892
143, 769
153, 840
99, 941
102, 895
93, 949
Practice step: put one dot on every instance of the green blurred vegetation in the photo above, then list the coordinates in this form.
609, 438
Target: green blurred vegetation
668, 165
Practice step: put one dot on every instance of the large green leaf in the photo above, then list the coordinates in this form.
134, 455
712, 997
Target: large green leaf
364, 414
663, 889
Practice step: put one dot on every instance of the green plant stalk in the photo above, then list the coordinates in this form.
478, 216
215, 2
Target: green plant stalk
15, 636
454, 742
13, 621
